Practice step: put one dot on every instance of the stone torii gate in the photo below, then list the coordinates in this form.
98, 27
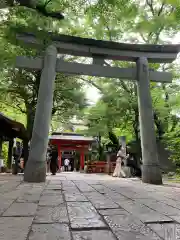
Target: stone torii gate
141, 54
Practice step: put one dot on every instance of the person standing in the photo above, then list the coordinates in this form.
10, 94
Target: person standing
48, 158
22, 158
17, 151
54, 161
66, 164
121, 155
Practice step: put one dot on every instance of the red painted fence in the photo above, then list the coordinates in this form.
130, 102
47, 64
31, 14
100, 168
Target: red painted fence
100, 167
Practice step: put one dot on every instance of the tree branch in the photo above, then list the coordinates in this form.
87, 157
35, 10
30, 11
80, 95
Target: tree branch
121, 81
93, 84
47, 2
143, 38
161, 9
150, 4
14, 106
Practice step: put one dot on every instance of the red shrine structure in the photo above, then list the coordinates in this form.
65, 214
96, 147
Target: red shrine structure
71, 142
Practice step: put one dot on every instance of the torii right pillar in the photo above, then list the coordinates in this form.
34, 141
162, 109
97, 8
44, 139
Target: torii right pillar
151, 172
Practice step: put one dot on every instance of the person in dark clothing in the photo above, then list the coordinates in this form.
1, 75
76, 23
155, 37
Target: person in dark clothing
133, 164
17, 151
22, 159
54, 161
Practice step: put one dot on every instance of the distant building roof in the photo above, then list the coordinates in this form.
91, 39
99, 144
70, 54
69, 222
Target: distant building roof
71, 136
11, 129
67, 134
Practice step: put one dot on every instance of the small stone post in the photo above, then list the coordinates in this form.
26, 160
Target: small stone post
35, 170
151, 169
108, 163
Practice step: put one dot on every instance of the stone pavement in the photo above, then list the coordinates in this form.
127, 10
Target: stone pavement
76, 206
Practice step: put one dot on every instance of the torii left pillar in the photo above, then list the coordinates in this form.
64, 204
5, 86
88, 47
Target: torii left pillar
35, 170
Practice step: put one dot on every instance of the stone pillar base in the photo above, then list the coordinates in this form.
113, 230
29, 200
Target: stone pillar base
151, 174
35, 172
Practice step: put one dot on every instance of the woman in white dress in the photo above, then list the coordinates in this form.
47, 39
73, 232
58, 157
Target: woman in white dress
121, 155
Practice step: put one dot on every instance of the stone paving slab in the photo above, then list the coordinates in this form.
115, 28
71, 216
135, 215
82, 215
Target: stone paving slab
53, 186
24, 186
91, 182
171, 202
29, 197
153, 217
21, 209
84, 187
99, 201
55, 181
37, 190
93, 235
58, 177
4, 204
130, 228
109, 212
71, 190
100, 188
51, 192
51, 200
14, 228
92, 205
49, 231
163, 208
144, 213
167, 230
84, 215
141, 211
67, 182
75, 197
51, 214
14, 194
6, 188
117, 198
175, 218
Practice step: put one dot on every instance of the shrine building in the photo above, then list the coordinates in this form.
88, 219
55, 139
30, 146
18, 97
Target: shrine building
67, 143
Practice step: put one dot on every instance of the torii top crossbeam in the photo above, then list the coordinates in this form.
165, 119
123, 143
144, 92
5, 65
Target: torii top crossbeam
78, 46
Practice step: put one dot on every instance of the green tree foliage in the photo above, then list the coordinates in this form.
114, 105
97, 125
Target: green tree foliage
139, 22
19, 88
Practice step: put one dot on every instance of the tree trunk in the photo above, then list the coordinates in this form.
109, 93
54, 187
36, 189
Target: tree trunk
159, 125
136, 124
29, 125
30, 122
26, 151
113, 139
